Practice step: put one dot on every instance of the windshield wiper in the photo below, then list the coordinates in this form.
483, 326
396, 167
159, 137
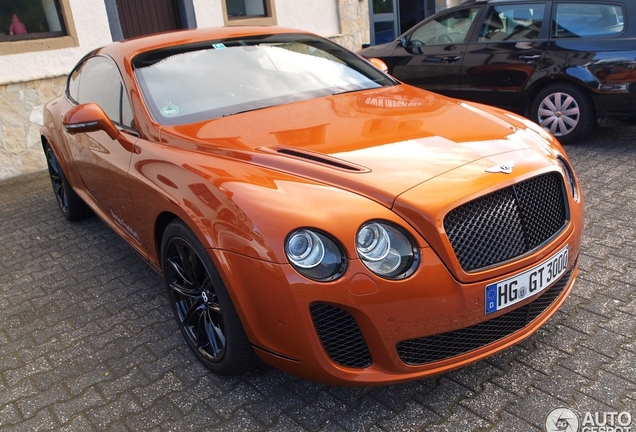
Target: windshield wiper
339, 92
245, 110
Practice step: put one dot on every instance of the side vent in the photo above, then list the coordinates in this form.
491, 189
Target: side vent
320, 158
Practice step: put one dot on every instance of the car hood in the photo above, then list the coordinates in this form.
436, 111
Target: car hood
378, 143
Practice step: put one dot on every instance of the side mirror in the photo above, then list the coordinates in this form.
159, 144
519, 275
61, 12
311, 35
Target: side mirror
379, 64
89, 118
404, 42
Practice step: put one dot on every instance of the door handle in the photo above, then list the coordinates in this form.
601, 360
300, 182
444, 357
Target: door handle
452, 59
530, 57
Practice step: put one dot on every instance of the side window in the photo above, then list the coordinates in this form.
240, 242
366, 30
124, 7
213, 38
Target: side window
449, 28
98, 80
587, 20
517, 22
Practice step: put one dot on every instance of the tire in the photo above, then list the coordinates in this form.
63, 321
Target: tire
72, 206
201, 305
564, 110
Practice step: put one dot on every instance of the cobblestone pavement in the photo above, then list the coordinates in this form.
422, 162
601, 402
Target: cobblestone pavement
88, 342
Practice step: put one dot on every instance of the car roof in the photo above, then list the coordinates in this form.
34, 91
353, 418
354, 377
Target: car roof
129, 48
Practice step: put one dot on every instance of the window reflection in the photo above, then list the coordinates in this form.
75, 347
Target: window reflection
30, 19
245, 8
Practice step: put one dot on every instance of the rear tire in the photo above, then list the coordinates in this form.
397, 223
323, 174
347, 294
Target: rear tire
72, 206
564, 110
201, 305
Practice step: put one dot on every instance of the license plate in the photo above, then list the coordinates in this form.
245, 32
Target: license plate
507, 292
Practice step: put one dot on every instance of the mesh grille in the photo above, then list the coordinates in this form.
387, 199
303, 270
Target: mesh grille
507, 223
440, 347
340, 336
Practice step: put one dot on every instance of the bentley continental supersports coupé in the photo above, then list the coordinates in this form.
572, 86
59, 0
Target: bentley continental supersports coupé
309, 210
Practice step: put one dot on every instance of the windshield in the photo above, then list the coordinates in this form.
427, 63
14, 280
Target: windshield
193, 83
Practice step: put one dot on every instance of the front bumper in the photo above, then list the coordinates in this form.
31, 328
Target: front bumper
362, 329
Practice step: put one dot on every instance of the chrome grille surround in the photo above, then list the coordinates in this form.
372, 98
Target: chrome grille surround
507, 223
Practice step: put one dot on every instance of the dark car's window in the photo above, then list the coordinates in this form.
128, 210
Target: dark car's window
186, 84
97, 80
516, 22
449, 28
588, 19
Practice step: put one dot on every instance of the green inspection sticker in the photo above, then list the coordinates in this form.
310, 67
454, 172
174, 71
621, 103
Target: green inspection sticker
169, 110
219, 46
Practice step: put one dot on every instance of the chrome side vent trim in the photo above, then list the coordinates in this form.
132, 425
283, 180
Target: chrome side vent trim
318, 158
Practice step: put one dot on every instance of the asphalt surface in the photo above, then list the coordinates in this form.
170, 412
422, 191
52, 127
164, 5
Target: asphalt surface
88, 341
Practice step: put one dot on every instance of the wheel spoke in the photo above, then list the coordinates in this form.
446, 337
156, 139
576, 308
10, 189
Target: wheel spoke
569, 121
186, 287
561, 127
185, 291
572, 112
189, 262
548, 123
193, 315
214, 333
550, 105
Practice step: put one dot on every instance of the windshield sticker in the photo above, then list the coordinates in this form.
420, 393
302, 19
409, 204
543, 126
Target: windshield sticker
219, 46
169, 110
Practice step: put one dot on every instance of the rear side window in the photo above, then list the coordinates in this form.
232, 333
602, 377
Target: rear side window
445, 29
517, 22
574, 20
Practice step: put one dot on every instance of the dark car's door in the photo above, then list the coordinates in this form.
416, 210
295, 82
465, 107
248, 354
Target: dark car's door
505, 54
430, 56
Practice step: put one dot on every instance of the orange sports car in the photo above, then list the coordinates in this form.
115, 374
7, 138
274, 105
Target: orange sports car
309, 210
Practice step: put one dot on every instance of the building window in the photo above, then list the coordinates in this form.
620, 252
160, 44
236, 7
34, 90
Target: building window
35, 25
30, 19
249, 12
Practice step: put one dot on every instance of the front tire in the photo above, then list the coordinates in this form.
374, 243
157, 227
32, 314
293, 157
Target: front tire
72, 206
201, 305
564, 110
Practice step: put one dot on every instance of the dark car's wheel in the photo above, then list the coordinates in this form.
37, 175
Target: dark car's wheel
72, 206
201, 305
564, 110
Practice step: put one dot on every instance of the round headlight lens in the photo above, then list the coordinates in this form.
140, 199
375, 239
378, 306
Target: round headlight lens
315, 255
305, 249
373, 242
386, 250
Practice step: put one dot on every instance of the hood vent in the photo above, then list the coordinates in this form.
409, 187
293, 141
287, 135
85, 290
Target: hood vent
322, 159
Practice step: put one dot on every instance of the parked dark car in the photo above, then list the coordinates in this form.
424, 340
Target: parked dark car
561, 63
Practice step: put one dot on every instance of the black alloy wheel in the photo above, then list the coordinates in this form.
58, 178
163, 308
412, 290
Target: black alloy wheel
72, 206
203, 309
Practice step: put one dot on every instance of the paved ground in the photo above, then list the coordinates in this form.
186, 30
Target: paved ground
88, 342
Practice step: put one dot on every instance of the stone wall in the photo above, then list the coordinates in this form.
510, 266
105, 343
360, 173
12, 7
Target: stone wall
20, 121
354, 24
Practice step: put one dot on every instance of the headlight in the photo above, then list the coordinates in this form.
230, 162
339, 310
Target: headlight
386, 250
569, 178
315, 255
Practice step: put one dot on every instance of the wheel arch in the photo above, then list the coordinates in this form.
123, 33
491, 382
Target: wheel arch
161, 223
